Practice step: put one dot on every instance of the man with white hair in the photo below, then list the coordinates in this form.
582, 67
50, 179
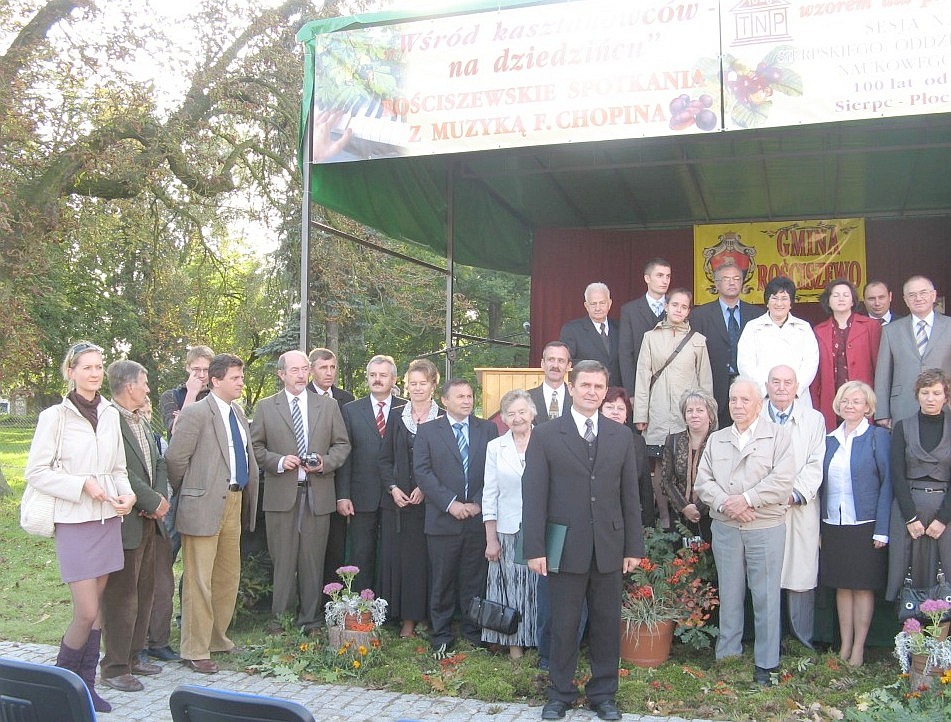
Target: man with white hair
746, 478
801, 552
595, 337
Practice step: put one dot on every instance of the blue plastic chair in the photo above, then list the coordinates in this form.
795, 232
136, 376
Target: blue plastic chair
204, 704
40, 693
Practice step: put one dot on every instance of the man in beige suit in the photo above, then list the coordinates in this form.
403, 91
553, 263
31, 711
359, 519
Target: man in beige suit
212, 467
299, 497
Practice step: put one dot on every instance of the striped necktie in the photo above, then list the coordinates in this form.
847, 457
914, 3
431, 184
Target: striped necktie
922, 336
380, 420
298, 428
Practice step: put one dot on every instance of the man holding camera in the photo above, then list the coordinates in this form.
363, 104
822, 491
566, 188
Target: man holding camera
299, 440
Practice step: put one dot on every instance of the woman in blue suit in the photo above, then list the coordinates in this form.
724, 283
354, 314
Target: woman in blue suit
856, 504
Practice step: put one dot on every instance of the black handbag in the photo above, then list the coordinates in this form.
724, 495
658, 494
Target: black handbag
910, 598
494, 615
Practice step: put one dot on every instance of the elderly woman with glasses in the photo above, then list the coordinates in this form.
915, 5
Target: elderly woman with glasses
77, 457
509, 583
779, 338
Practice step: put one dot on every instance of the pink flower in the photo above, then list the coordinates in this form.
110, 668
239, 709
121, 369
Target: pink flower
333, 588
934, 606
350, 569
367, 595
911, 626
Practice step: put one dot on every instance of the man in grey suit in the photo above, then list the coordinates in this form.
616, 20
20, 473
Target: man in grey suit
595, 337
919, 341
722, 321
449, 466
299, 440
581, 472
127, 599
211, 466
358, 484
551, 398
640, 316
746, 478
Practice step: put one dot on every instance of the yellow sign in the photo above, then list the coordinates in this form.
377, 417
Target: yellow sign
810, 253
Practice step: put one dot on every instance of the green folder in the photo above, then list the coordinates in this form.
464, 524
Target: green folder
554, 545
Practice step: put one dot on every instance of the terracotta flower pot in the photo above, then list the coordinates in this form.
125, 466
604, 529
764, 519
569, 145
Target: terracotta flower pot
360, 622
917, 679
644, 646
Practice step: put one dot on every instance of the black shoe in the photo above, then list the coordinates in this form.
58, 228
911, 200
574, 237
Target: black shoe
555, 709
764, 676
606, 710
442, 651
166, 654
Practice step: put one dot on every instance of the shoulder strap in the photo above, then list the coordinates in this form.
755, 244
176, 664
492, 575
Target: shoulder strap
670, 358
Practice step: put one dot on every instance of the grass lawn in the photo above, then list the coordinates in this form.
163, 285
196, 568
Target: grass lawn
34, 606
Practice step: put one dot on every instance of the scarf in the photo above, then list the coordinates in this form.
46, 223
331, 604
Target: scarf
410, 423
88, 409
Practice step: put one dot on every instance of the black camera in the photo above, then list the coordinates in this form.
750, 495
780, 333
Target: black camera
310, 461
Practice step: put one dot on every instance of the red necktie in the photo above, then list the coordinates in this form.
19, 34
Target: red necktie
380, 421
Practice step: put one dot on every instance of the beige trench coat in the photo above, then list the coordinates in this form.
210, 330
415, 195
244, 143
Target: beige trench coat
660, 408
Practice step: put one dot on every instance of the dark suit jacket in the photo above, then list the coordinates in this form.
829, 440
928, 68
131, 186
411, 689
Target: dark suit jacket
541, 407
396, 462
359, 478
149, 483
707, 319
637, 318
899, 364
584, 343
199, 469
272, 435
341, 396
600, 507
437, 467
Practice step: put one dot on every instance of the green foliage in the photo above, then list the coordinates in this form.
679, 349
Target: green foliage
894, 703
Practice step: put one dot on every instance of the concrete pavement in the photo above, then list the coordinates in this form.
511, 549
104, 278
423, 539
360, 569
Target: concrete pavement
328, 703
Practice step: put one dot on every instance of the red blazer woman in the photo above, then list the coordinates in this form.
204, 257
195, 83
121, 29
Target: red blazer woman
861, 353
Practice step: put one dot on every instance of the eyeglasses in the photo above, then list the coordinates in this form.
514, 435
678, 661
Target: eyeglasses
919, 294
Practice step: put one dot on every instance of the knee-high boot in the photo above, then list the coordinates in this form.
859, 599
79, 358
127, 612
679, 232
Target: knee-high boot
90, 660
73, 659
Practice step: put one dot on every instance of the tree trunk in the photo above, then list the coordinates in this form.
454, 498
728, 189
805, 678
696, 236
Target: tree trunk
5, 489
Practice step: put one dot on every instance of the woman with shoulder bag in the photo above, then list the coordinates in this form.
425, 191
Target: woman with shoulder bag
78, 458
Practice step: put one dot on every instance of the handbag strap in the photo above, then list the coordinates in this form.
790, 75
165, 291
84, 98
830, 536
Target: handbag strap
670, 358
505, 590
58, 456
939, 573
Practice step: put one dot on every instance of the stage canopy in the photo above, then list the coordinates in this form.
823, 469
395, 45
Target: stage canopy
892, 161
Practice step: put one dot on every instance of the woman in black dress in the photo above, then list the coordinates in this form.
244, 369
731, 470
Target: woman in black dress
404, 562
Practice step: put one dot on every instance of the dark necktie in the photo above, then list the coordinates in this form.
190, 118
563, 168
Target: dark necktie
782, 418
298, 428
589, 431
733, 331
380, 420
240, 453
604, 337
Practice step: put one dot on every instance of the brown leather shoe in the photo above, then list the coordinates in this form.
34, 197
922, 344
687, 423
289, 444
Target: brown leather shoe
123, 683
205, 666
141, 667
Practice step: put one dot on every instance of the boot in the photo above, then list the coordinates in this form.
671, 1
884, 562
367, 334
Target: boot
87, 670
73, 660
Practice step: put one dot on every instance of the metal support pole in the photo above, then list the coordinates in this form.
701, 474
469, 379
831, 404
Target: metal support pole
450, 267
305, 233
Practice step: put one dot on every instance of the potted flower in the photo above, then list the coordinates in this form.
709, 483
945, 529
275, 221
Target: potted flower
359, 612
668, 593
924, 651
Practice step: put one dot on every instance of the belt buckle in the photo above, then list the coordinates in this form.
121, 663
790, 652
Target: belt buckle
234, 487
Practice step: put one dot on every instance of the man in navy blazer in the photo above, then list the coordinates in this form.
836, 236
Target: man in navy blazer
581, 472
640, 316
712, 320
449, 466
595, 337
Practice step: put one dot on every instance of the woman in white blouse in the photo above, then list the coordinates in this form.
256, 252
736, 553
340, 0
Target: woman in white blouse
855, 507
509, 583
777, 337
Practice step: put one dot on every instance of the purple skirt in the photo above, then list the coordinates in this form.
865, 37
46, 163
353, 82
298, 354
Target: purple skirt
89, 549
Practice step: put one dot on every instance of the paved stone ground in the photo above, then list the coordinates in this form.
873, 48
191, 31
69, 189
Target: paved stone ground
328, 703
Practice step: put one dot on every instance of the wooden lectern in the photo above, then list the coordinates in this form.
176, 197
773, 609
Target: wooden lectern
495, 382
